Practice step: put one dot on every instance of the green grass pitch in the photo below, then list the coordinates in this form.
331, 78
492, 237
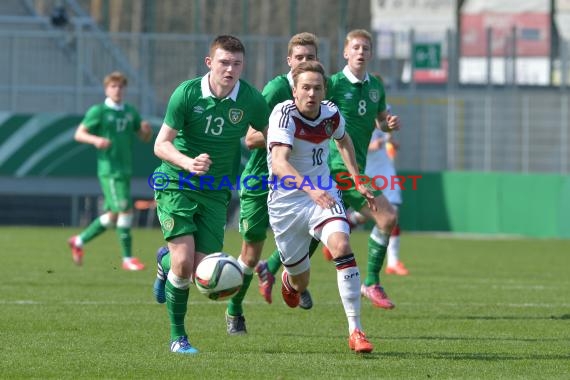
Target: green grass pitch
471, 308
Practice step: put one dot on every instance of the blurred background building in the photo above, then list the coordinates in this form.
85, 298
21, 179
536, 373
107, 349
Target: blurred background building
481, 86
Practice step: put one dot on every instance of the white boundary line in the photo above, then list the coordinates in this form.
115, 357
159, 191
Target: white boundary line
204, 302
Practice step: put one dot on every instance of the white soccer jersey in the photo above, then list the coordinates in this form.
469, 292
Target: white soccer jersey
309, 142
379, 164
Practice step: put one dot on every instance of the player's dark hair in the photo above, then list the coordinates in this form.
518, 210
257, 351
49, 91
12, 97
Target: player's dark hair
308, 66
228, 43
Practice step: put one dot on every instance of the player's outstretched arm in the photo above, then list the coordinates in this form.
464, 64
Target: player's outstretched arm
346, 149
282, 168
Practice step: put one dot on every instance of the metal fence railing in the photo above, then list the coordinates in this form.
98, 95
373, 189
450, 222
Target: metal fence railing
499, 124
62, 70
514, 130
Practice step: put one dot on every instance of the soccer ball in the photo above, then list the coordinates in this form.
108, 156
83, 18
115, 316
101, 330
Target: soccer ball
218, 276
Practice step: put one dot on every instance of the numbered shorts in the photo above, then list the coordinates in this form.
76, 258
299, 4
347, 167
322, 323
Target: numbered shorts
253, 217
199, 213
296, 223
350, 196
117, 193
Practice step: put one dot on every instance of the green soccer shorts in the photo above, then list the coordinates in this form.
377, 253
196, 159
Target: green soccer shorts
117, 193
350, 196
253, 216
199, 213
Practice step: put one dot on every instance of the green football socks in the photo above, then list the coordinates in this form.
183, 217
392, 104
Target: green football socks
376, 254
235, 305
125, 239
176, 305
92, 231
274, 262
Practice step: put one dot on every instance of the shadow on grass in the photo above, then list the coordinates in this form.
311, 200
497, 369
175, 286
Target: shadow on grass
518, 317
318, 353
562, 317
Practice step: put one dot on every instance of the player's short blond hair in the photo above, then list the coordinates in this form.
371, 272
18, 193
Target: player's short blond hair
115, 76
358, 33
302, 39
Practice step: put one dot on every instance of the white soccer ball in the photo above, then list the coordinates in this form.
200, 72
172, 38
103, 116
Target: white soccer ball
218, 276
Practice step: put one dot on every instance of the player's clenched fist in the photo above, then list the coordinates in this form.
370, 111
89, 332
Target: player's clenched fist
102, 143
200, 164
393, 122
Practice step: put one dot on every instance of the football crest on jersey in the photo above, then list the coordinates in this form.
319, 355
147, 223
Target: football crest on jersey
374, 95
235, 115
329, 128
167, 224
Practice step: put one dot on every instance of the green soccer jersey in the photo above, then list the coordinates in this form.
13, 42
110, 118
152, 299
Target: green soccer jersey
275, 91
119, 125
214, 126
359, 103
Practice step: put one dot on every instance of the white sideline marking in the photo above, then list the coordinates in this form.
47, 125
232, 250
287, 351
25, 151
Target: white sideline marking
204, 302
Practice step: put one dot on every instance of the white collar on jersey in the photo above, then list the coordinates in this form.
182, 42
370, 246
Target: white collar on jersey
116, 106
352, 78
206, 92
290, 78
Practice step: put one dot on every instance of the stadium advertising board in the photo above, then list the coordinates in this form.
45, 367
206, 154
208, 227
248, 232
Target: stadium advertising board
518, 29
395, 19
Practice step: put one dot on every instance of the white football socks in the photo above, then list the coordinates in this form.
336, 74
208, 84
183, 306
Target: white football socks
394, 251
348, 280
